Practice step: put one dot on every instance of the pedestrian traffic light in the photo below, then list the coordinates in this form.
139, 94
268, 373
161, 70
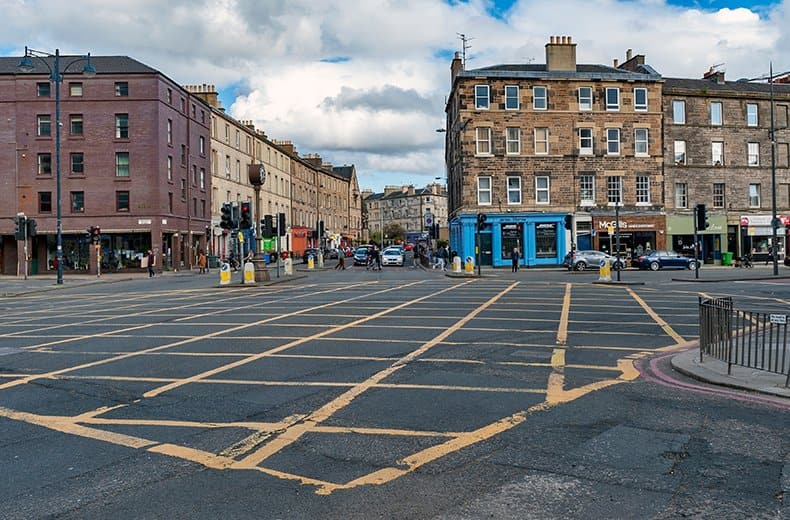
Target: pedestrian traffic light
245, 220
32, 227
20, 228
481, 221
569, 222
226, 216
281, 224
702, 217
268, 226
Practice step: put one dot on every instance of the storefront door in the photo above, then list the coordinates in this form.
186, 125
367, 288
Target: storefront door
486, 249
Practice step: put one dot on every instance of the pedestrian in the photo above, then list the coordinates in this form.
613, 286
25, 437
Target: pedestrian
341, 262
514, 256
377, 257
202, 262
151, 262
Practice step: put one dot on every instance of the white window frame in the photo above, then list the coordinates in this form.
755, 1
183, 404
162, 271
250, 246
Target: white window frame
678, 108
513, 140
544, 141
753, 154
610, 181
517, 97
640, 107
609, 141
587, 183
642, 190
679, 149
758, 203
586, 150
481, 190
544, 97
717, 155
513, 190
612, 107
585, 102
479, 97
542, 190
681, 195
638, 142
722, 195
720, 120
756, 114
478, 132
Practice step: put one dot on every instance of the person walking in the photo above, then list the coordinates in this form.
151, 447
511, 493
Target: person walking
151, 262
202, 262
341, 262
514, 256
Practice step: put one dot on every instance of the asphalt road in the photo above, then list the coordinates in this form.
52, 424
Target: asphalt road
393, 394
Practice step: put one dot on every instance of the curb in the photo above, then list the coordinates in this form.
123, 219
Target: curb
62, 287
718, 280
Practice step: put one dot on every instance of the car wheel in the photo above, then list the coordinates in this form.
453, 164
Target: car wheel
692, 265
580, 266
655, 266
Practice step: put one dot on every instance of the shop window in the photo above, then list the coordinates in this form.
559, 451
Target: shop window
546, 240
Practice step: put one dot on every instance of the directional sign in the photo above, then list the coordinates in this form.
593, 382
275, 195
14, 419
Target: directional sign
778, 318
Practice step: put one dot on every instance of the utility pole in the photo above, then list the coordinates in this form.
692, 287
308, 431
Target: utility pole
774, 219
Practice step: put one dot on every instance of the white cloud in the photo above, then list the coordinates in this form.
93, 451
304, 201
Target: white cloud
379, 103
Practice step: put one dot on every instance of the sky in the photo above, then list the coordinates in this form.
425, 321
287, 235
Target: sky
365, 82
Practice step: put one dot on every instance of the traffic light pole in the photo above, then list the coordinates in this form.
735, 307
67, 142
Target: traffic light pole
617, 238
696, 245
26, 256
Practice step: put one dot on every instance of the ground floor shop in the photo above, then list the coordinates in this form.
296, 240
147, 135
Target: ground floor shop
638, 234
756, 236
539, 238
713, 241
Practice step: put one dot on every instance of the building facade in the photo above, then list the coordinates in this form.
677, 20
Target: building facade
406, 206
529, 144
134, 161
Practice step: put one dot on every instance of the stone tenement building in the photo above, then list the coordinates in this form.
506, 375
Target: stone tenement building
406, 206
717, 152
529, 144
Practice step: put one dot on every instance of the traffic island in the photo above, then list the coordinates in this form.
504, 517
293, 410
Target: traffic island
275, 281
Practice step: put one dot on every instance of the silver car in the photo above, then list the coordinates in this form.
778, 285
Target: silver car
392, 256
581, 260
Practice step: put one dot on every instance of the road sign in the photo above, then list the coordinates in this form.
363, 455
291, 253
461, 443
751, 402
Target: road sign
781, 319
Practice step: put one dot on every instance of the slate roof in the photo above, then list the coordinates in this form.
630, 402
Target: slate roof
345, 172
102, 64
400, 194
728, 86
586, 71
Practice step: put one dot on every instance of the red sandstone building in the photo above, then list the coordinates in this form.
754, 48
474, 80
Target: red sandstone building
134, 161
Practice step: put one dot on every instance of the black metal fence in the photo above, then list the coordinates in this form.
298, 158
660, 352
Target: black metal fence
745, 338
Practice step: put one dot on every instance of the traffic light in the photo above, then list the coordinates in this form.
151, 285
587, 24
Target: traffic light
320, 229
20, 228
568, 222
96, 235
226, 217
32, 227
481, 221
89, 234
245, 220
519, 228
281, 224
702, 217
268, 226
435, 230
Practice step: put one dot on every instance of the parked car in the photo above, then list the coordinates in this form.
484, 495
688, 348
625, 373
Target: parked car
310, 252
361, 255
581, 260
665, 259
392, 256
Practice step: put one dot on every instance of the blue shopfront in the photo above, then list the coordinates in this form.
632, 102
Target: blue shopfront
541, 238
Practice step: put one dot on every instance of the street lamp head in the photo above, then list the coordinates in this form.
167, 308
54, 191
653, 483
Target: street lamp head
89, 70
441, 130
26, 64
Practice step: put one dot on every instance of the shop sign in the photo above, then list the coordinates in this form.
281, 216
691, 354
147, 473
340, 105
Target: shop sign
763, 220
624, 224
512, 230
144, 222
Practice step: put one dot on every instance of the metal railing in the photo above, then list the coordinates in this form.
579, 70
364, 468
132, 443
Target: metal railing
749, 339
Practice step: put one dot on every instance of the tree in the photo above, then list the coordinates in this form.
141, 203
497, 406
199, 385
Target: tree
394, 231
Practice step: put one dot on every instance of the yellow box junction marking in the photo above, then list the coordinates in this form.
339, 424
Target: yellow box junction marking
658, 319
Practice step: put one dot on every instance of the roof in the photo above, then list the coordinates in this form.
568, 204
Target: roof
346, 172
400, 194
102, 64
740, 86
585, 71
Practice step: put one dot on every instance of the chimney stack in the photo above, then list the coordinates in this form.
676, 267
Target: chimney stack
628, 54
561, 54
714, 75
616, 62
456, 67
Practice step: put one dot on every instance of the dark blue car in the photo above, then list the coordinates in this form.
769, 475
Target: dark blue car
665, 259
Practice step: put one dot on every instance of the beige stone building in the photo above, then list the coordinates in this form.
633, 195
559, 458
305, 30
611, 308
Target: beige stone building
406, 206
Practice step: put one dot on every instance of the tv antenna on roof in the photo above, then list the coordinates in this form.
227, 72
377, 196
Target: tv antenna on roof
464, 46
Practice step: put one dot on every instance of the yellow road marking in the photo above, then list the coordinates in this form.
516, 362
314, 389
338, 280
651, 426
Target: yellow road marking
562, 331
658, 319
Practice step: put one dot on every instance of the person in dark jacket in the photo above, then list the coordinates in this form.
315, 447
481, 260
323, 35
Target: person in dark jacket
515, 256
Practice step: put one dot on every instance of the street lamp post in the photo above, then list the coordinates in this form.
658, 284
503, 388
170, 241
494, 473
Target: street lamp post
56, 77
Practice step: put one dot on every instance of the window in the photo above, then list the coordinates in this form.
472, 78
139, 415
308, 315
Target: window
44, 125
170, 96
680, 152
43, 89
541, 141
202, 116
585, 98
183, 154
614, 190
612, 98
121, 201
715, 113
202, 145
585, 141
227, 133
75, 124
751, 114
227, 166
613, 141
511, 97
122, 126
753, 153
121, 88
183, 189
717, 153
539, 98
681, 195
640, 99
484, 191
75, 89
202, 178
122, 164
183, 105
170, 131
77, 201
754, 195
483, 141
194, 175
481, 97
170, 167
718, 195
77, 163
238, 139
45, 164
513, 138
170, 202
640, 142
45, 202
642, 189
782, 154
587, 190
514, 190
202, 208
679, 112
238, 171
541, 190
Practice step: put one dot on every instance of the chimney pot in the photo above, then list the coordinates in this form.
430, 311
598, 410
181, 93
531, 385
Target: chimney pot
570, 39
564, 39
615, 62
628, 54
551, 40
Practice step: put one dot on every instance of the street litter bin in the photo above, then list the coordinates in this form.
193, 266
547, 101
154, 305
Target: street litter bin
726, 258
